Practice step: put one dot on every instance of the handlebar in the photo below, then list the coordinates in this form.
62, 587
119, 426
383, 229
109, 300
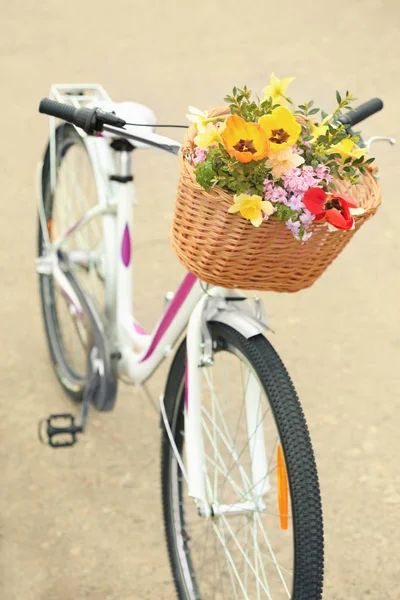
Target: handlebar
90, 120
362, 112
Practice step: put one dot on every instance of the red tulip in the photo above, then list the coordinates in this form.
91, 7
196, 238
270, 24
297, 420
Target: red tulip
334, 208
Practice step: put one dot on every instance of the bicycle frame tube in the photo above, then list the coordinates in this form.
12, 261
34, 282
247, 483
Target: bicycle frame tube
141, 354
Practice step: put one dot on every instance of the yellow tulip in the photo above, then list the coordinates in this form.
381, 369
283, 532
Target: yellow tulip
281, 128
252, 208
243, 140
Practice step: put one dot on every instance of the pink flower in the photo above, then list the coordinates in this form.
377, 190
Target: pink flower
306, 217
294, 227
299, 181
200, 155
295, 202
323, 172
309, 176
298, 150
294, 182
274, 193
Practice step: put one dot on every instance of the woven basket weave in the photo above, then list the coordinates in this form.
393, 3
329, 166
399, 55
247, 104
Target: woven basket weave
226, 250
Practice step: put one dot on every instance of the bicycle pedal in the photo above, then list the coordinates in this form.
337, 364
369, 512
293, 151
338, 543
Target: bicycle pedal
66, 433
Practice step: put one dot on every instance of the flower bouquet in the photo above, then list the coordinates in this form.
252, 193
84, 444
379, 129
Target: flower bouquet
269, 192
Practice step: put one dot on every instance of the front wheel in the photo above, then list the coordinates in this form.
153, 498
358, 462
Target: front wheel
264, 536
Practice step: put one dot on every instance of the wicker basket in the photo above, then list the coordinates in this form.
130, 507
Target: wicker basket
225, 250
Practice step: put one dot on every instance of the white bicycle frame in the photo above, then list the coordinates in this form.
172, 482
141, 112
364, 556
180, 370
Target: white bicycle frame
190, 307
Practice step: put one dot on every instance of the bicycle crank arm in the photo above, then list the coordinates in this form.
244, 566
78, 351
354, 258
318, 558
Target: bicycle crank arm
101, 387
100, 358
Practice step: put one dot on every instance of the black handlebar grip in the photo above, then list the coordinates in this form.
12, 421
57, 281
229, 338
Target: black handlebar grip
81, 117
362, 112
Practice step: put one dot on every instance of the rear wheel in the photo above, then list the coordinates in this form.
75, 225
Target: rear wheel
264, 538
75, 193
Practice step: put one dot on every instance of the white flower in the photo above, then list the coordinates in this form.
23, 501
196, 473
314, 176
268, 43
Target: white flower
283, 162
198, 117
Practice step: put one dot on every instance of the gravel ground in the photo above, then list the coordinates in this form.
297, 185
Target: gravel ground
86, 523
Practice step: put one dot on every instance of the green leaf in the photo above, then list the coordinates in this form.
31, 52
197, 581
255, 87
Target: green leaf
314, 111
338, 97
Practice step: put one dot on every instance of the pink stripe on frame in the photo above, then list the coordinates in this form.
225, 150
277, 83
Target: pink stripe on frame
179, 298
126, 247
138, 328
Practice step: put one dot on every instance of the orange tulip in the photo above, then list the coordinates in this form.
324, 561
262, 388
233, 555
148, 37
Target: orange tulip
245, 141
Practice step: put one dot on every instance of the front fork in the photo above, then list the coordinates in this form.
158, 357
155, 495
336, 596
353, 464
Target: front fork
230, 308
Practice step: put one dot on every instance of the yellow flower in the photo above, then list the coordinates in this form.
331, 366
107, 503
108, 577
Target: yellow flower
347, 148
252, 208
281, 128
197, 116
318, 130
243, 140
276, 90
209, 135
201, 119
284, 161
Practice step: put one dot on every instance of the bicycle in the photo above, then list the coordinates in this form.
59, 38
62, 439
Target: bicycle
241, 499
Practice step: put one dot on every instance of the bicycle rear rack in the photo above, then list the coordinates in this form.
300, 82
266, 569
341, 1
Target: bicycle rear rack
78, 95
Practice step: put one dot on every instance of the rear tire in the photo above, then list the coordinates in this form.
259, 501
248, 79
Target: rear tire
186, 535
67, 336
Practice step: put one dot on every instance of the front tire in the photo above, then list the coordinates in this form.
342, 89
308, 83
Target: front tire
193, 540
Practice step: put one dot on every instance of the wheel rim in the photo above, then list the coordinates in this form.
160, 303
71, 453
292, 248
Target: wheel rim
74, 195
248, 555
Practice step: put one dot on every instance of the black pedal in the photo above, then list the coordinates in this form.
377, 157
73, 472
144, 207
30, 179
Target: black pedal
67, 432
101, 386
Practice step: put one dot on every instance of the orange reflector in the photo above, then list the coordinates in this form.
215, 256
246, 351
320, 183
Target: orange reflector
50, 230
283, 490
49, 226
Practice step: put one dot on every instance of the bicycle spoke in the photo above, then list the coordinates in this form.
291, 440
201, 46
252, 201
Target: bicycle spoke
229, 558
272, 554
232, 451
238, 545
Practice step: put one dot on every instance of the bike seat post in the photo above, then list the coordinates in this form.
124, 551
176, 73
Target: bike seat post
123, 149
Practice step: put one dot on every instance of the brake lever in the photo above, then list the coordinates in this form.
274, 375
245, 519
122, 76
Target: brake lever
379, 138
